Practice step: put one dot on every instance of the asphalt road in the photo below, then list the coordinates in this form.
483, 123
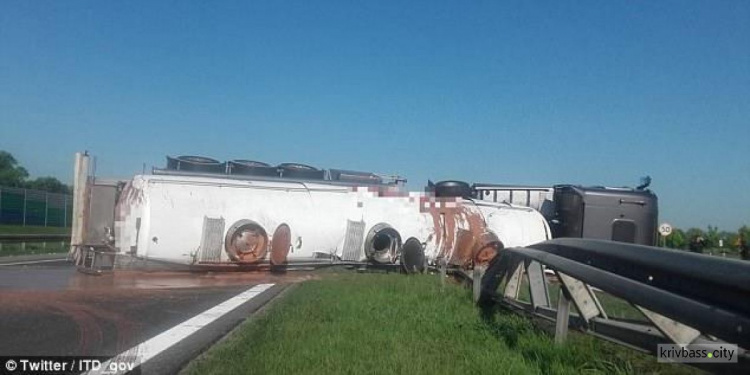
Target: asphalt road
50, 309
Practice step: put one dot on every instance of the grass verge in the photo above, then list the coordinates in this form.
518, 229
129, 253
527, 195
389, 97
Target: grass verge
376, 323
13, 248
32, 248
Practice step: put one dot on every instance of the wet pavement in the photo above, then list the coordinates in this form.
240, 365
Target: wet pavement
50, 309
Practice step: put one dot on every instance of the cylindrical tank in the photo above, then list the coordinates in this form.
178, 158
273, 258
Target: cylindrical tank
453, 189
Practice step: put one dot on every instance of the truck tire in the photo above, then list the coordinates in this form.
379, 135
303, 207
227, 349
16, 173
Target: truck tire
412, 256
300, 171
453, 189
195, 164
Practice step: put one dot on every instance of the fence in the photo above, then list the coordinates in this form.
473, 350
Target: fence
34, 207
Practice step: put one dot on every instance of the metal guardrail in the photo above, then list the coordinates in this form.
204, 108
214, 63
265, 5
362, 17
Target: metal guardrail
685, 298
33, 237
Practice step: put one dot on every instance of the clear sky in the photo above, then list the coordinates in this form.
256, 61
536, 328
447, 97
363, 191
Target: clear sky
520, 92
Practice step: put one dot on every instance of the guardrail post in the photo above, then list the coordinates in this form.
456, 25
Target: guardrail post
515, 276
443, 271
677, 332
537, 284
563, 317
476, 279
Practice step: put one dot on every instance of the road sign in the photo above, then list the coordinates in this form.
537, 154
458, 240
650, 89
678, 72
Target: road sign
665, 229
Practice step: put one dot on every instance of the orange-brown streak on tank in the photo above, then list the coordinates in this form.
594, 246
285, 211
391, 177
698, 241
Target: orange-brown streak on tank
481, 254
449, 223
487, 248
462, 255
427, 205
445, 229
469, 246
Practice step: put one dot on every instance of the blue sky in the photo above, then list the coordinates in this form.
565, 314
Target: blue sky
544, 92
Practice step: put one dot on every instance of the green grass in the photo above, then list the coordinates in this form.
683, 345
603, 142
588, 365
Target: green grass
31, 248
12, 248
376, 323
19, 229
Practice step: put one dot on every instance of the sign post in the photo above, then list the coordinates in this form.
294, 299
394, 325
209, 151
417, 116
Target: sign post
665, 229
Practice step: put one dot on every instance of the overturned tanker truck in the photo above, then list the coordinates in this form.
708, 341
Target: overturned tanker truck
199, 213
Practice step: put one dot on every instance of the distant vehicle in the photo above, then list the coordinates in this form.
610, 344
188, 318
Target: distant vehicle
199, 213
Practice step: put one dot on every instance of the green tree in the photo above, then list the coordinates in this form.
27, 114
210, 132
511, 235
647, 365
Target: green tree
14, 175
676, 239
48, 184
11, 174
743, 230
728, 239
694, 232
712, 237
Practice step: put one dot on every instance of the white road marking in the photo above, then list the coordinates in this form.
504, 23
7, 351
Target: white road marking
32, 262
150, 348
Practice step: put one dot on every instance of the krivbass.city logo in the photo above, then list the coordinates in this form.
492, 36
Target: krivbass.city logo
696, 353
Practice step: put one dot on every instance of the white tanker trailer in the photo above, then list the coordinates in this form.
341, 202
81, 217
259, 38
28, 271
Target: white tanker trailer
214, 220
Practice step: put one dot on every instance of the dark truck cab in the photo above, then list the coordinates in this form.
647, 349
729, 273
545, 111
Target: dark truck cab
616, 214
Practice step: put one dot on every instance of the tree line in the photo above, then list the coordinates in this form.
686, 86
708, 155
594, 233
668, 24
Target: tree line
712, 238
12, 174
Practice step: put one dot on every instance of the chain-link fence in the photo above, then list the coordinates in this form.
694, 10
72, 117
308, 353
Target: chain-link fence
34, 207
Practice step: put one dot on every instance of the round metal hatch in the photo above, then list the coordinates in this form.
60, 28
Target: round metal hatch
192, 163
382, 244
246, 242
281, 242
412, 256
300, 171
251, 168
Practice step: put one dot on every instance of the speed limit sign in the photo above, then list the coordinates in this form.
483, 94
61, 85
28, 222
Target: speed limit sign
665, 229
